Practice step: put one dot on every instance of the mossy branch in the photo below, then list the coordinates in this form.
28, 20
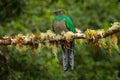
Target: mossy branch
49, 36
114, 29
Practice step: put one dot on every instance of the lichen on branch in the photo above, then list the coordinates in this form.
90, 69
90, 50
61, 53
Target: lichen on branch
31, 39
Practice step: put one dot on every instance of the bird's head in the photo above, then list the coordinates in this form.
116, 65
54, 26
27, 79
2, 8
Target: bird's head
59, 12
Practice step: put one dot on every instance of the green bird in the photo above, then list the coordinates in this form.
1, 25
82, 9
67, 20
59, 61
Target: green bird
63, 23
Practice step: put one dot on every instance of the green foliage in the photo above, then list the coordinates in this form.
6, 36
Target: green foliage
90, 63
10, 9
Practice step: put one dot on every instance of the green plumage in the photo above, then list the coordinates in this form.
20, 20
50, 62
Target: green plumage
64, 23
68, 22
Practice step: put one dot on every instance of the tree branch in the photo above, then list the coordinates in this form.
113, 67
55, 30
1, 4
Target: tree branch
114, 29
49, 36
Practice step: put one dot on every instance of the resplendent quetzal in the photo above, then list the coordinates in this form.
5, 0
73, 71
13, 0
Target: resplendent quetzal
64, 23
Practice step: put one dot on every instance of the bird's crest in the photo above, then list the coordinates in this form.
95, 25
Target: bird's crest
64, 11
60, 11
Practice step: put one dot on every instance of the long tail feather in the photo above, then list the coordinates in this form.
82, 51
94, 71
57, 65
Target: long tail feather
71, 56
65, 58
68, 56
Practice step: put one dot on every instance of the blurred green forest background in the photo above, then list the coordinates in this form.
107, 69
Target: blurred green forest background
35, 16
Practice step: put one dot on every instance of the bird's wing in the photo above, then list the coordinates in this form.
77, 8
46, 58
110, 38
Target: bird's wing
69, 24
